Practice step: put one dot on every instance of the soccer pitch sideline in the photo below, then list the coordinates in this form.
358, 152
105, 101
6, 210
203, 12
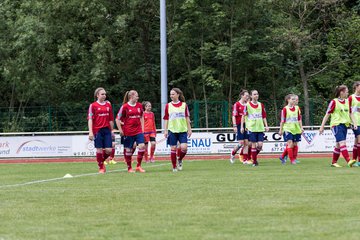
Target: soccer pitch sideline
207, 200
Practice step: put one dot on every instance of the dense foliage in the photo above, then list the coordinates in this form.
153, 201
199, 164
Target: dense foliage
55, 53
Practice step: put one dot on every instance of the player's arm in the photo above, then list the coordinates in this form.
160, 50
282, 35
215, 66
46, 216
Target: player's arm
189, 132
90, 125
300, 121
282, 121
329, 111
266, 125
234, 123
241, 125
325, 119
264, 118
154, 126
118, 121
166, 123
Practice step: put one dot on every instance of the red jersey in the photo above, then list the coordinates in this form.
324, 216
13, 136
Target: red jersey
238, 112
130, 116
101, 114
166, 116
149, 122
263, 112
283, 113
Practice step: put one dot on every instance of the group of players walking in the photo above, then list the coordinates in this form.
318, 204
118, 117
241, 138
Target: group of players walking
136, 125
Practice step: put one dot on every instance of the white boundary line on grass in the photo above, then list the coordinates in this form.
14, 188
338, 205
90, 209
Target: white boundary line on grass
75, 176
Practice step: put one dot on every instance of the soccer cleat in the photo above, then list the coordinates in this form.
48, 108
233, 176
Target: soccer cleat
232, 158
351, 163
297, 161
139, 169
286, 158
356, 164
175, 170
283, 161
130, 170
112, 161
255, 164
180, 165
152, 160
106, 162
335, 165
248, 162
102, 169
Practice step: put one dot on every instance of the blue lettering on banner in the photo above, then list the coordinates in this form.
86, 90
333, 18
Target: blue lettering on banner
309, 137
199, 142
24, 147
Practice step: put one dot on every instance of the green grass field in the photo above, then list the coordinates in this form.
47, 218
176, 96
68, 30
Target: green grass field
207, 200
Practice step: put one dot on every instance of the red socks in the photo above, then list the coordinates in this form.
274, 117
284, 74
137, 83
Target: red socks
254, 154
336, 155
285, 152
173, 158
100, 159
345, 153
128, 159
140, 157
105, 155
291, 154
358, 151
112, 154
182, 155
152, 151
296, 149
249, 153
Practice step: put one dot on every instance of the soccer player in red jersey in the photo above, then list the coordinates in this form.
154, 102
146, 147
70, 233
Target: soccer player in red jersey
242, 138
177, 126
354, 103
101, 123
132, 115
256, 124
149, 131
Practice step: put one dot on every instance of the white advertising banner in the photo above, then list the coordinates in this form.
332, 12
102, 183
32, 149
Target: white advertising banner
199, 143
35, 146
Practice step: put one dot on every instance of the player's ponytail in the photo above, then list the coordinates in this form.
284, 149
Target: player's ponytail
287, 98
97, 92
126, 97
339, 89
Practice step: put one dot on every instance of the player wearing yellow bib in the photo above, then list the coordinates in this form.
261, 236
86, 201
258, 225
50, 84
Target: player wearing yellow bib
354, 102
339, 110
291, 126
256, 125
177, 126
284, 155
